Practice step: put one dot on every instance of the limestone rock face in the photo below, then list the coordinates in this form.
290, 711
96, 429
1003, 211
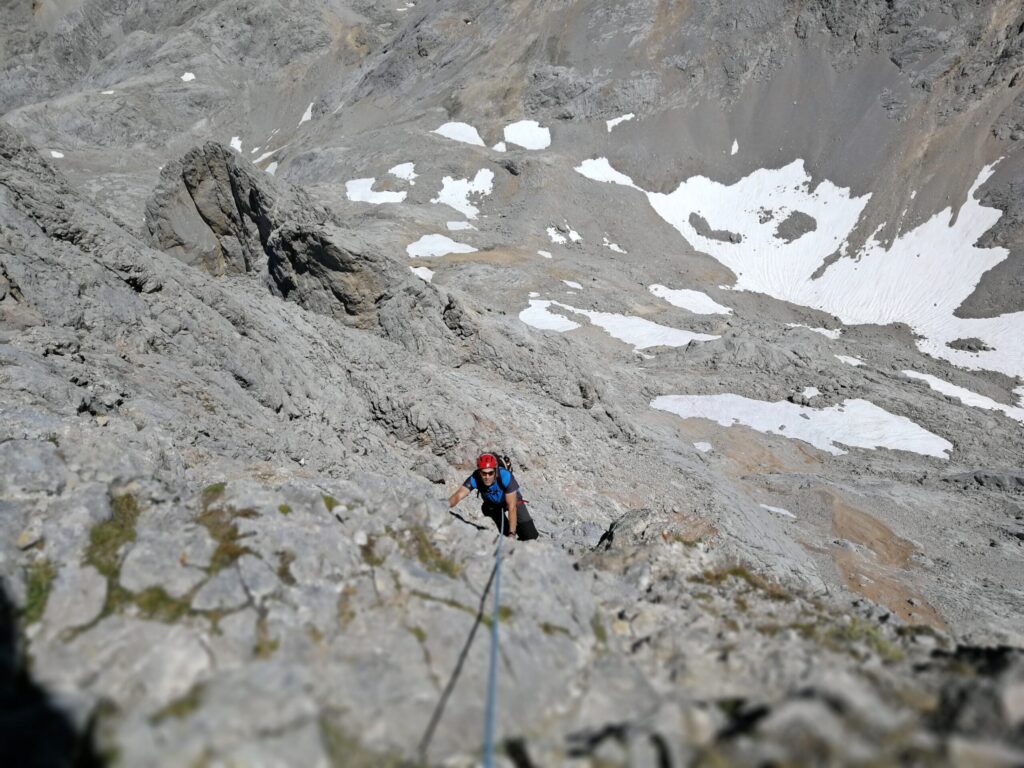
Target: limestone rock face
330, 271
273, 274
210, 212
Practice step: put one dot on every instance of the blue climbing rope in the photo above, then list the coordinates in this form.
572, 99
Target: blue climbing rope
492, 675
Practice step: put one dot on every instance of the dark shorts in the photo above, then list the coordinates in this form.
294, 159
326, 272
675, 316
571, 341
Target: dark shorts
525, 529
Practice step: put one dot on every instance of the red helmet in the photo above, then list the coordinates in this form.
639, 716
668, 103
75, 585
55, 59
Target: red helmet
486, 461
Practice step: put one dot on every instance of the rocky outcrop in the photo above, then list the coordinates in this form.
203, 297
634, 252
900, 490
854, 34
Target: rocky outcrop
331, 271
210, 211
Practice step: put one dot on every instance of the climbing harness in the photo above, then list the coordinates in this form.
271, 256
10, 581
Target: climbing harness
492, 675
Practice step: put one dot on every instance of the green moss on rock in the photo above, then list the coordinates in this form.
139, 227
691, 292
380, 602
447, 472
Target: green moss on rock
345, 751
553, 629
181, 707
220, 521
424, 549
39, 578
107, 538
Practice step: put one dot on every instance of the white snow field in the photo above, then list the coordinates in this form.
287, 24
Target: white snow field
692, 301
528, 134
635, 331
267, 154
613, 246
852, 423
881, 286
424, 273
538, 315
455, 192
778, 511
557, 237
617, 120
463, 132
832, 333
405, 171
966, 396
430, 246
361, 191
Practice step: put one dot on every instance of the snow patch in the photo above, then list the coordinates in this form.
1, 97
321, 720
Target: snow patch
424, 273
463, 132
361, 191
538, 315
265, 155
499, 147
617, 120
528, 134
236, 144
612, 246
436, 245
809, 392
703, 447
966, 396
107, 93
693, 301
308, 114
55, 154
852, 423
405, 171
735, 147
545, 254
573, 284
599, 169
455, 192
188, 77
272, 168
854, 361
636, 331
832, 333
457, 225
556, 237
778, 511
877, 285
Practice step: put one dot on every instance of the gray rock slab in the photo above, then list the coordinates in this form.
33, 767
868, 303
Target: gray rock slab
143, 664
78, 595
223, 591
173, 562
259, 579
31, 466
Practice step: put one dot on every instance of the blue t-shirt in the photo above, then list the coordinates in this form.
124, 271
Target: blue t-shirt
493, 492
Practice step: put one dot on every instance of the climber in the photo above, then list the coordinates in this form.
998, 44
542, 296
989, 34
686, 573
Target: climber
498, 488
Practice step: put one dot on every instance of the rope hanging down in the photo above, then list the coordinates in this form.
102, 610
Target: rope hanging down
492, 675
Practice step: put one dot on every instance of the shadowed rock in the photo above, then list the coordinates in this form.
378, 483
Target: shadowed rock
211, 211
